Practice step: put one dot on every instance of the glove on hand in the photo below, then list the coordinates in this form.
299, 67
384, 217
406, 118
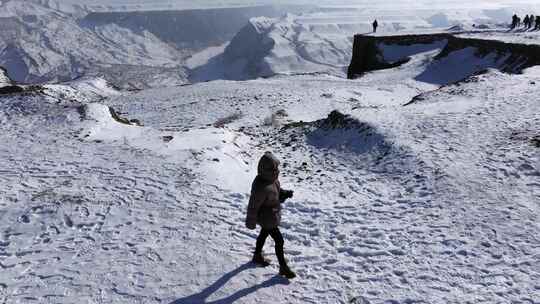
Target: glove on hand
285, 194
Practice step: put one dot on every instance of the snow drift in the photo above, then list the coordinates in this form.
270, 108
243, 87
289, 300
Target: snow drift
215, 153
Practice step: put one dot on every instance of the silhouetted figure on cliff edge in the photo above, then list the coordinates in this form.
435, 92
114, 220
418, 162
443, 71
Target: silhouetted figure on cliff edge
526, 22
516, 21
375, 25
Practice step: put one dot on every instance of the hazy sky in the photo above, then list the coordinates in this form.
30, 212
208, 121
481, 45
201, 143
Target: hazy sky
222, 3
386, 5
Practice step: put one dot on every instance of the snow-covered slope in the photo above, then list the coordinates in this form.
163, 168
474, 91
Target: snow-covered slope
267, 47
4, 78
434, 202
42, 44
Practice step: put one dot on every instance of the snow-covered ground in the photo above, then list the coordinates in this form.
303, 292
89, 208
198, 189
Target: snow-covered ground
425, 192
433, 202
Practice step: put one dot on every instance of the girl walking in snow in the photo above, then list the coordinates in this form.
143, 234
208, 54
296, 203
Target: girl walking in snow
265, 209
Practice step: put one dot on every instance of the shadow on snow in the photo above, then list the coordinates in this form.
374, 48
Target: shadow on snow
201, 297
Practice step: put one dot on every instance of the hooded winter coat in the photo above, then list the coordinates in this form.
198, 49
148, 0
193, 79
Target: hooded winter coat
264, 204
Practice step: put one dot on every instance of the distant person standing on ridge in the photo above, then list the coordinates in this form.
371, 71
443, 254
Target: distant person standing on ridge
375, 25
514, 21
537, 27
526, 21
265, 209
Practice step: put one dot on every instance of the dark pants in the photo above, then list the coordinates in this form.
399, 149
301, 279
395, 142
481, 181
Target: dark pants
278, 239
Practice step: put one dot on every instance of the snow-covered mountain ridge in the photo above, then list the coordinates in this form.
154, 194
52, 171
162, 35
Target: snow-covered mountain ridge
46, 41
133, 50
49, 45
190, 29
285, 46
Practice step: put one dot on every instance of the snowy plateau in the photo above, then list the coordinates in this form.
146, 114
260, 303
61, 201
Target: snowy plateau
130, 134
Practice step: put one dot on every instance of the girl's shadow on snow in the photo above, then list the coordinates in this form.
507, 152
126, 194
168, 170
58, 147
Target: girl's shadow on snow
200, 298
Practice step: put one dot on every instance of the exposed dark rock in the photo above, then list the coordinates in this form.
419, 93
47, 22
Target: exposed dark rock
334, 120
220, 123
16, 89
118, 118
338, 120
13, 89
296, 125
122, 120
167, 138
136, 122
536, 141
327, 95
416, 98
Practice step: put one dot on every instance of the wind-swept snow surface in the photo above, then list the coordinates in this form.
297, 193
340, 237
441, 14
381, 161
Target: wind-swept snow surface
435, 202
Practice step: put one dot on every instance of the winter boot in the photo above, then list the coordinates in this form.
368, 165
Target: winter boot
260, 260
286, 272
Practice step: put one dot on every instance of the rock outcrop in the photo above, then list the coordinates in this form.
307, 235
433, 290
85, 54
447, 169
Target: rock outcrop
369, 52
7, 86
